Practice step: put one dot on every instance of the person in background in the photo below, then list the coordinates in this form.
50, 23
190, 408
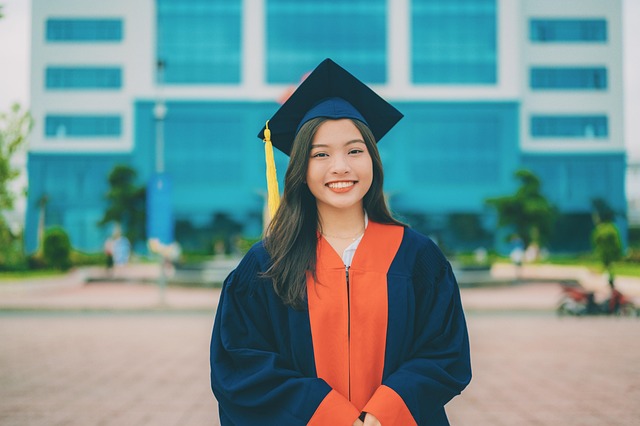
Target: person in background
121, 251
341, 315
108, 253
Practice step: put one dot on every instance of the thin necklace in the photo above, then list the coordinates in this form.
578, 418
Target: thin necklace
352, 238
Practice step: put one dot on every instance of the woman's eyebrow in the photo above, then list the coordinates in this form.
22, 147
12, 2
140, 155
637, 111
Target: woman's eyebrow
321, 145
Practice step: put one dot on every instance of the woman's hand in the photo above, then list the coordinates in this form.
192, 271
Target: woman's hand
358, 422
371, 420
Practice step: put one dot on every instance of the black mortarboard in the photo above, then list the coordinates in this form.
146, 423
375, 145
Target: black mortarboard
330, 91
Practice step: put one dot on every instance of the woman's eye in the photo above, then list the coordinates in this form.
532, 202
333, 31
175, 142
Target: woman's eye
319, 155
356, 151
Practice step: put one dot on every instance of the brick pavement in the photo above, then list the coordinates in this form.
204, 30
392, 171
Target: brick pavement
105, 369
109, 354
152, 368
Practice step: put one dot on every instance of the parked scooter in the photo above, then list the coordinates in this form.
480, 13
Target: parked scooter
575, 300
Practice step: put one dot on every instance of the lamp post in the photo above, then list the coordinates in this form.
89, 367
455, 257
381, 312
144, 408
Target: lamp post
159, 211
159, 113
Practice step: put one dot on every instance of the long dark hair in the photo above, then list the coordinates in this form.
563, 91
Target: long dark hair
292, 237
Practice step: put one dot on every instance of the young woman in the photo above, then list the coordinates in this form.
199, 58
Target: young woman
341, 315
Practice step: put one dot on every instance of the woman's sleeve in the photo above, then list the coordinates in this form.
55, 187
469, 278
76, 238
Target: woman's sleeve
253, 382
438, 367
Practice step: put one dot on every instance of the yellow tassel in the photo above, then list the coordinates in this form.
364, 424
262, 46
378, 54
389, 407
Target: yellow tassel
273, 200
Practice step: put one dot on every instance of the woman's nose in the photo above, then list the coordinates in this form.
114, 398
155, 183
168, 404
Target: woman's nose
340, 165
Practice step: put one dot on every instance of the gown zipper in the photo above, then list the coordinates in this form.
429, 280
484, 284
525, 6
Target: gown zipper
348, 328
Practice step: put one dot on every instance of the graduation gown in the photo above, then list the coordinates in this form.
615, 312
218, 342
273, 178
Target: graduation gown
386, 335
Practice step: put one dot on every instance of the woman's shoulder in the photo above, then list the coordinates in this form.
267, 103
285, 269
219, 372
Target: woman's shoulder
258, 253
412, 239
425, 249
250, 268
420, 240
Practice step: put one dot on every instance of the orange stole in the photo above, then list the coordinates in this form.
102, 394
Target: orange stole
349, 331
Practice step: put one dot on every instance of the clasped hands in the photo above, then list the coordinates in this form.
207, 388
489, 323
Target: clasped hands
369, 420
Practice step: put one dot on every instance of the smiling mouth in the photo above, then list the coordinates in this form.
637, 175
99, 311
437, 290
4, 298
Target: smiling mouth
340, 185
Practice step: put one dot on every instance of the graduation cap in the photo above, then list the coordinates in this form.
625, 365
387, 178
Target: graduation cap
329, 91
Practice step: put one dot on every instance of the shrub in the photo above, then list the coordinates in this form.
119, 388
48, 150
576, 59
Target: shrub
57, 249
606, 243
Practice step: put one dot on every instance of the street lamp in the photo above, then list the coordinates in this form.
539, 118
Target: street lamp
159, 209
159, 113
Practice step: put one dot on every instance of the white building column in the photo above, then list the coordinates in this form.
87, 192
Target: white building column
398, 46
254, 38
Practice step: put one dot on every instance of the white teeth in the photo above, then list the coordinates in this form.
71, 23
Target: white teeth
337, 185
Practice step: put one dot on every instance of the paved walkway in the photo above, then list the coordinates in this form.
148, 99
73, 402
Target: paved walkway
532, 288
111, 353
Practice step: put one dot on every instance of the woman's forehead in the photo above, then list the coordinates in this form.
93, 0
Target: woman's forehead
337, 132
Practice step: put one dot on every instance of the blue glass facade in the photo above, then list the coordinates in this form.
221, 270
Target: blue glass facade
568, 78
571, 182
102, 78
450, 156
353, 34
82, 126
84, 30
199, 41
441, 162
454, 42
569, 126
213, 158
74, 186
568, 30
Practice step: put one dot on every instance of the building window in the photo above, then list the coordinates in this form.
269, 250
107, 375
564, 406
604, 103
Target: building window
301, 33
81, 126
568, 30
454, 42
199, 41
81, 30
569, 126
458, 141
569, 78
83, 78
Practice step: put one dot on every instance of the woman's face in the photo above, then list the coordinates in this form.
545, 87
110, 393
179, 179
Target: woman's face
340, 170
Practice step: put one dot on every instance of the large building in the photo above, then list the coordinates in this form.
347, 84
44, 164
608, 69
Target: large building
486, 86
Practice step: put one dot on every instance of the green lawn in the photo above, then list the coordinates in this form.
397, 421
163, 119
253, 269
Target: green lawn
627, 268
13, 276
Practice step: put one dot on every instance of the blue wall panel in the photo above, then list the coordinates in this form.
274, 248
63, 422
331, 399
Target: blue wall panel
568, 78
199, 41
83, 77
570, 126
301, 33
75, 188
572, 181
84, 30
441, 160
568, 30
213, 157
454, 42
449, 157
73, 126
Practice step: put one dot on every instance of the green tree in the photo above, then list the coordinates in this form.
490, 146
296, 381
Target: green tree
14, 129
602, 211
527, 211
126, 203
607, 245
605, 238
57, 249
